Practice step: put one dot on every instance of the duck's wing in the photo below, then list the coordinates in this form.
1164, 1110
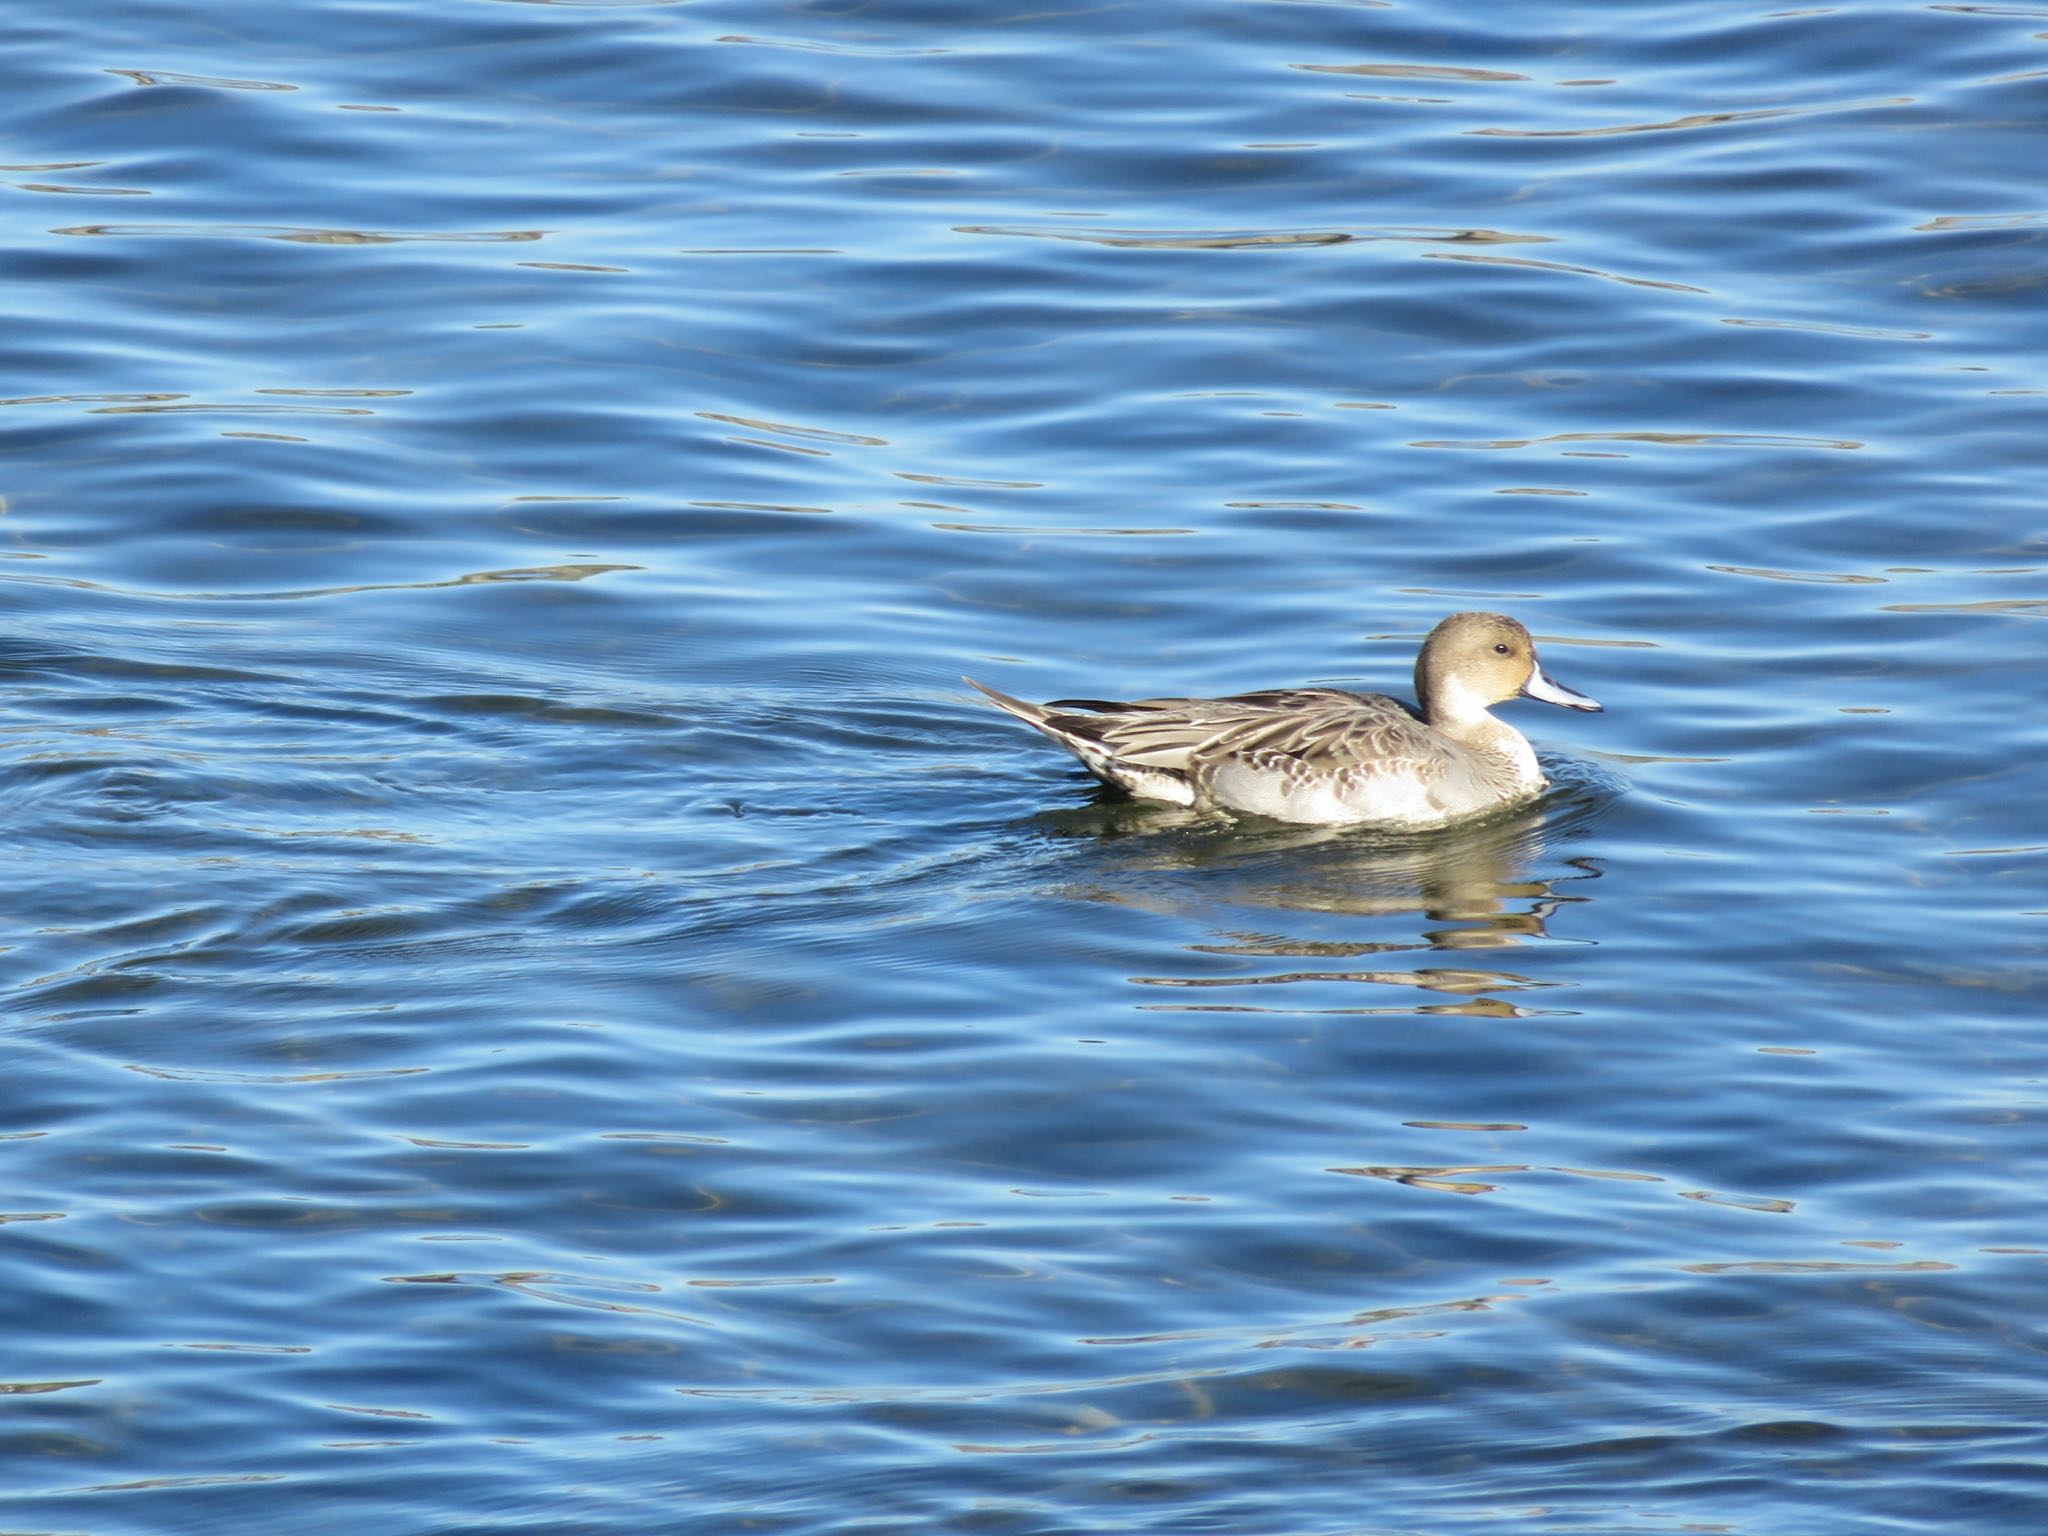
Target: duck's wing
1316, 732
1176, 749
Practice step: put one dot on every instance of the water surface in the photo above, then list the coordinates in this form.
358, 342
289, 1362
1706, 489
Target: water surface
537, 1000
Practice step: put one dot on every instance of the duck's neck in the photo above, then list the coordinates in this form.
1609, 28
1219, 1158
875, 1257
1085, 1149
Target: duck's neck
1452, 708
1461, 715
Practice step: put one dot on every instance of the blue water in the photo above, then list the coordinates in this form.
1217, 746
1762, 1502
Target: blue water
536, 1000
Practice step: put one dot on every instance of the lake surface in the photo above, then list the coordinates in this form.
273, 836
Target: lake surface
537, 1001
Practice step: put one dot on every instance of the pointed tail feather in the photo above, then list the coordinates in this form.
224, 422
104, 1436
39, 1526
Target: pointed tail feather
1030, 714
1042, 718
1100, 759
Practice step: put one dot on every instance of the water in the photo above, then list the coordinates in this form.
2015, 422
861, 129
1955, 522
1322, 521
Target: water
536, 1000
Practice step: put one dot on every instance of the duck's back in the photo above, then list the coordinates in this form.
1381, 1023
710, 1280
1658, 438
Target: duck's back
1295, 754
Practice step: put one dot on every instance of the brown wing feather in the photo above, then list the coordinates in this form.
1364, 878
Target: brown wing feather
1327, 731
1171, 747
1319, 727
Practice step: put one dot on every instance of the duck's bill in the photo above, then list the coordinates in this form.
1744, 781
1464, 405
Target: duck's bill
1541, 687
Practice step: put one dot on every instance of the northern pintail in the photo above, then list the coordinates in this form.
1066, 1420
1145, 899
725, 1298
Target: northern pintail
1327, 755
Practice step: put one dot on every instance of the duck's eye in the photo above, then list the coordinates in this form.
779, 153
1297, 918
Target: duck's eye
1501, 649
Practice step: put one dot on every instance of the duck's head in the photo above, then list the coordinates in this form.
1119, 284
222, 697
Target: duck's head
1472, 661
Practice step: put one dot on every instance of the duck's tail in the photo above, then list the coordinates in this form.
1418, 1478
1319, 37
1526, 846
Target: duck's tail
1031, 714
1081, 735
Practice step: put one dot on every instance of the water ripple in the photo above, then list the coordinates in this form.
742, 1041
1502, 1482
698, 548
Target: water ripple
1228, 240
300, 235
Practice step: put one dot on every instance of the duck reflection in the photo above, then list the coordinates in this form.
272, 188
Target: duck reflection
1267, 891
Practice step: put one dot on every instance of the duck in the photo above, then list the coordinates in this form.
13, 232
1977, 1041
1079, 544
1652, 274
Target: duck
1329, 756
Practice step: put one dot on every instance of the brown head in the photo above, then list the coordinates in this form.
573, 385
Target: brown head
1472, 661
